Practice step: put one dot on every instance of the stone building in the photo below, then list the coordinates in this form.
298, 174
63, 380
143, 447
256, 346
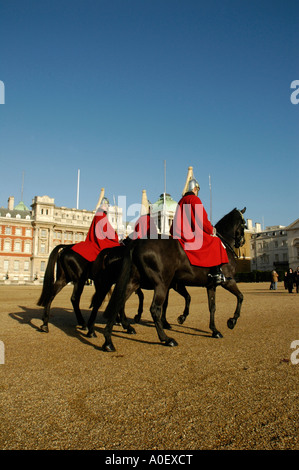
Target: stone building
16, 242
269, 249
163, 211
293, 244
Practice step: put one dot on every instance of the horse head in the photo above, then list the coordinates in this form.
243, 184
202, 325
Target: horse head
232, 227
240, 229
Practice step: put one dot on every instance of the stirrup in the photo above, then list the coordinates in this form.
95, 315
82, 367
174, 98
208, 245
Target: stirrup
217, 279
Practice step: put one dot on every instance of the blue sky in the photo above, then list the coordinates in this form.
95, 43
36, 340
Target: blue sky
116, 87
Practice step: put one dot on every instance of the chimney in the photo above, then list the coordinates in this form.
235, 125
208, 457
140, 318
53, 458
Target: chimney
11, 203
144, 203
249, 224
100, 198
189, 177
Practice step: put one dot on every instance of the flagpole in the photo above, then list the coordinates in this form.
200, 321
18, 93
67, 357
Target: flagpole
210, 185
164, 199
78, 183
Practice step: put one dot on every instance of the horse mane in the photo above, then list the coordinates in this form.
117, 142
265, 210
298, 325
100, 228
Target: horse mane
226, 221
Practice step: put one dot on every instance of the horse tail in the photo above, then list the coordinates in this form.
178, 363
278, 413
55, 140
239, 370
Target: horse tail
48, 284
118, 296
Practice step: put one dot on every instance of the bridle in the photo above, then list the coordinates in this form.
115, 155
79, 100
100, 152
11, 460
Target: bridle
239, 242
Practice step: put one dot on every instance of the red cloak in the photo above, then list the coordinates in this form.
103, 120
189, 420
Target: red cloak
193, 230
101, 235
145, 227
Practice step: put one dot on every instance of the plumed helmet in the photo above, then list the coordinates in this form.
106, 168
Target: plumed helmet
104, 204
193, 184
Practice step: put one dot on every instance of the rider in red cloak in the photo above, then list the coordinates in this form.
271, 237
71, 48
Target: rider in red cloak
145, 227
101, 235
196, 234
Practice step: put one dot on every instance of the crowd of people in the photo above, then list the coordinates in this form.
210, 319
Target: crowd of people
291, 280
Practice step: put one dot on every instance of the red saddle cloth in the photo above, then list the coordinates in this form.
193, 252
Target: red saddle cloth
193, 230
101, 235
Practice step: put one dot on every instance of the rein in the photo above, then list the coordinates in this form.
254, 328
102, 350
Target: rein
227, 245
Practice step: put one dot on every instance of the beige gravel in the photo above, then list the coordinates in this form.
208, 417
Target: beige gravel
60, 391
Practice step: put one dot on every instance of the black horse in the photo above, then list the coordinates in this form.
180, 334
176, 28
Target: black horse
105, 272
72, 267
65, 266
69, 267
161, 264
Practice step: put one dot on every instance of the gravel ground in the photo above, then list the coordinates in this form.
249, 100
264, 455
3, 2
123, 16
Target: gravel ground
61, 391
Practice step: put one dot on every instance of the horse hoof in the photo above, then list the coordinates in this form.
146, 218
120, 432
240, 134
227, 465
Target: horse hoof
137, 319
231, 323
91, 334
217, 334
181, 319
171, 342
108, 347
131, 331
166, 326
44, 329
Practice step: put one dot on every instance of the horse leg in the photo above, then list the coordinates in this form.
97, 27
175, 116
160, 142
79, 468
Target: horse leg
58, 286
165, 323
212, 307
160, 294
184, 293
75, 299
140, 308
102, 290
232, 287
113, 312
125, 323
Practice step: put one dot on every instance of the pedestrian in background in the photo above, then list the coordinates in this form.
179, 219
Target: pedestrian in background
274, 280
297, 279
290, 280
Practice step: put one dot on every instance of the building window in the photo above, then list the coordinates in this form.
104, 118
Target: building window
42, 266
18, 231
17, 246
6, 265
42, 248
16, 265
7, 245
7, 230
27, 247
43, 233
28, 232
26, 265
